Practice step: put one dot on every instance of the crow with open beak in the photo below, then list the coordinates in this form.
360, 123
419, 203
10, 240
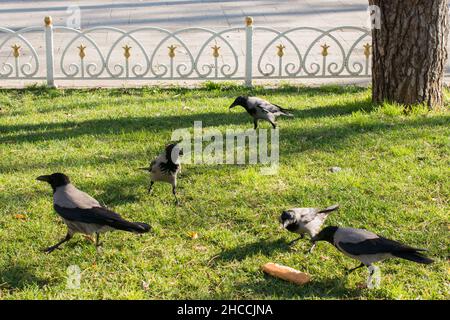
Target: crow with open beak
261, 109
305, 220
82, 213
166, 167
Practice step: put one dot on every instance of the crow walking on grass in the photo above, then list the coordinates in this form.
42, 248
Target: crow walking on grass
261, 109
367, 247
82, 213
166, 167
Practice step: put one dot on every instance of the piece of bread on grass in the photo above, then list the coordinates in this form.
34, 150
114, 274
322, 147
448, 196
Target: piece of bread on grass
286, 273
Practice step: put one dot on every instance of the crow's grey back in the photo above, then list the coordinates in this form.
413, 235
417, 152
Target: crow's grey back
351, 235
69, 196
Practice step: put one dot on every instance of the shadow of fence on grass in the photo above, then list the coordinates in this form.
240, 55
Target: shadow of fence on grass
19, 277
263, 247
272, 288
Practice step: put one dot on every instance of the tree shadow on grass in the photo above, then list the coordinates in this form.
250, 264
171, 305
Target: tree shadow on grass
169, 123
328, 288
263, 247
270, 287
20, 277
72, 129
212, 88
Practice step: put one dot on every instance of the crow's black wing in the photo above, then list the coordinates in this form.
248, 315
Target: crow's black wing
267, 107
374, 246
95, 215
281, 108
101, 216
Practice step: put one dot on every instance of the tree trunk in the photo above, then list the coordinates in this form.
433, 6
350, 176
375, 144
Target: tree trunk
410, 52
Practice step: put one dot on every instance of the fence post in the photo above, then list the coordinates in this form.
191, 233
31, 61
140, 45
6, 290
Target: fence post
248, 51
49, 51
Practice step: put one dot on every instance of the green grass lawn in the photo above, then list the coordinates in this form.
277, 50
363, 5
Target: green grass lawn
394, 181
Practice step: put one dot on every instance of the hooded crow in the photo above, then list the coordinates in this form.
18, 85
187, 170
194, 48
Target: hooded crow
367, 247
82, 213
261, 109
166, 167
305, 220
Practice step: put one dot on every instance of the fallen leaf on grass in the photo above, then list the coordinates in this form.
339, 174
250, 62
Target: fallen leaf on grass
193, 235
20, 216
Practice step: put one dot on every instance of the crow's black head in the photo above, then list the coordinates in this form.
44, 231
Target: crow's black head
288, 220
173, 152
239, 101
55, 179
326, 234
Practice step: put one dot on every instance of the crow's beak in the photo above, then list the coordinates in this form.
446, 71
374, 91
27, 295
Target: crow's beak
45, 178
232, 106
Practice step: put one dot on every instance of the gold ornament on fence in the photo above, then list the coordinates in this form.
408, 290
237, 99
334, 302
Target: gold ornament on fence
325, 49
215, 51
82, 53
172, 51
48, 21
248, 21
280, 51
126, 52
367, 50
16, 52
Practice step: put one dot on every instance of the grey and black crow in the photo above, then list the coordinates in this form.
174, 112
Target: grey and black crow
261, 109
166, 167
367, 247
305, 220
82, 213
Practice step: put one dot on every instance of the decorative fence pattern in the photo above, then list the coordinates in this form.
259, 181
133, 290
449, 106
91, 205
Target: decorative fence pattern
152, 53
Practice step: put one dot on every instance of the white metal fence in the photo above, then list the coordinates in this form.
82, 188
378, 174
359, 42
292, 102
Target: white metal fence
57, 53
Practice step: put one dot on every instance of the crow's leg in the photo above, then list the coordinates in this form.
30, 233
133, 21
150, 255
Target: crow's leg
255, 122
274, 125
150, 188
295, 240
97, 240
353, 269
98, 245
174, 191
52, 248
373, 281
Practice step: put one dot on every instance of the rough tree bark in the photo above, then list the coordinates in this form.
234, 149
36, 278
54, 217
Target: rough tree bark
410, 51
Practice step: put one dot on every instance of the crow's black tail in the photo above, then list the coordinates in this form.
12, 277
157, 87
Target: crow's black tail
136, 227
413, 256
330, 208
286, 113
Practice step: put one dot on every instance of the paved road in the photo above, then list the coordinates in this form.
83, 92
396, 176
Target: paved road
186, 13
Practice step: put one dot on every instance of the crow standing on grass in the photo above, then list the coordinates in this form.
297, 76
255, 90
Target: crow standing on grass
367, 247
261, 109
305, 220
82, 213
166, 167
